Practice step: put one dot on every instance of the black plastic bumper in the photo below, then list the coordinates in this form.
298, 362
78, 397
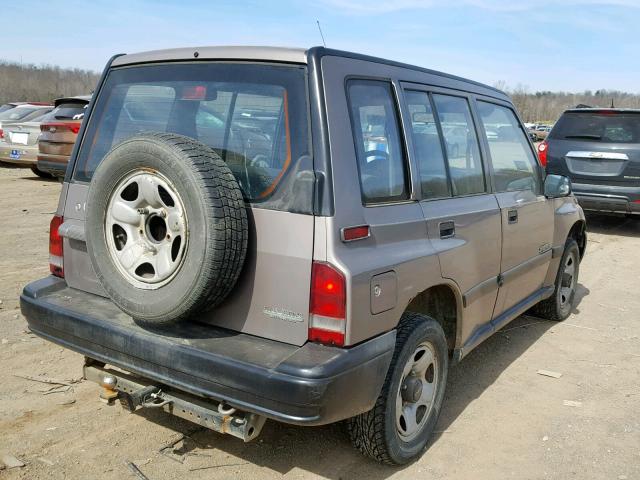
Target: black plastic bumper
608, 198
308, 385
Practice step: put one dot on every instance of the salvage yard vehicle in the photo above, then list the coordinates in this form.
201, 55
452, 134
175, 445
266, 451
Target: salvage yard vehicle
253, 232
58, 134
599, 150
21, 112
20, 145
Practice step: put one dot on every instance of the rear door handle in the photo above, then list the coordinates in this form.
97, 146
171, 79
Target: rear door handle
447, 229
512, 216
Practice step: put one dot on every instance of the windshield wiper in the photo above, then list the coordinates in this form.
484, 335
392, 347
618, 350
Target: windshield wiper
585, 135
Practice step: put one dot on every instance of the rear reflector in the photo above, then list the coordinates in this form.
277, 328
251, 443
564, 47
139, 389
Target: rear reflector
542, 153
327, 305
349, 234
1, 133
55, 247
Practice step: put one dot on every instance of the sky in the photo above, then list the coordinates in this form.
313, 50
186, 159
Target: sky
571, 45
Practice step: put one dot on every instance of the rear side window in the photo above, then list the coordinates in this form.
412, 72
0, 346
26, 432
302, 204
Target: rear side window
379, 152
463, 153
253, 116
514, 166
603, 126
427, 146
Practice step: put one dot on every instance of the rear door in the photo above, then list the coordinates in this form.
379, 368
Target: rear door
271, 297
599, 147
462, 216
527, 216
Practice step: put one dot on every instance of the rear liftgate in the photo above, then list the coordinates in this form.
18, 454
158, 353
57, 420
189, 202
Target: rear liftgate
136, 393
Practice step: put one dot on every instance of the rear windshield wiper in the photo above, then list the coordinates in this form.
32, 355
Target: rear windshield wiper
585, 135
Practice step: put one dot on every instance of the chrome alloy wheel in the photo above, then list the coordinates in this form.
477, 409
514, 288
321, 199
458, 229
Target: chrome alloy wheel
146, 229
417, 390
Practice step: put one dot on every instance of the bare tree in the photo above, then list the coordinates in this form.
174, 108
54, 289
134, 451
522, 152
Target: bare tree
43, 83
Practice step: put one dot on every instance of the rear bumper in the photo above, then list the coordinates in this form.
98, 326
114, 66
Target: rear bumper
28, 155
307, 385
56, 165
608, 198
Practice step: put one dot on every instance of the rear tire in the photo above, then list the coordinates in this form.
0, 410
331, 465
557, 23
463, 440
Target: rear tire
40, 173
559, 305
388, 432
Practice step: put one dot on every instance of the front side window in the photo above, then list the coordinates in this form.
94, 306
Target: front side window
463, 153
379, 152
254, 116
427, 146
514, 166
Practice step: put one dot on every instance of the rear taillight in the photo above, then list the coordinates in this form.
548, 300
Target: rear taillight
327, 305
59, 127
542, 153
1, 133
55, 247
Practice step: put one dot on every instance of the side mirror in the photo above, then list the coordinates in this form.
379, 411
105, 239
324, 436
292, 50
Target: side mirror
556, 186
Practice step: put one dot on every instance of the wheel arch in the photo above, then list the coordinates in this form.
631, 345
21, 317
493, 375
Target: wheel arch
578, 232
443, 303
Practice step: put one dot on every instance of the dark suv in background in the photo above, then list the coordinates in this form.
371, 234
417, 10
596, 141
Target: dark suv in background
599, 150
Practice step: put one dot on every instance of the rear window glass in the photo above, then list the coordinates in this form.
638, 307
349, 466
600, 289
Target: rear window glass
253, 116
602, 127
17, 113
67, 111
5, 107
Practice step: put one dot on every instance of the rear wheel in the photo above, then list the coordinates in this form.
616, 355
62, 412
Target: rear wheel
40, 173
400, 424
558, 306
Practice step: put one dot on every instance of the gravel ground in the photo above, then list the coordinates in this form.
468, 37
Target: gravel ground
500, 420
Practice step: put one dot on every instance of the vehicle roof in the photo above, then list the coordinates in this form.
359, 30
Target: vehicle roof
76, 99
37, 104
264, 53
602, 109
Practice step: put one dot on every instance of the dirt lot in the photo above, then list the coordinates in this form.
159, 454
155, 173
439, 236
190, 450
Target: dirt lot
501, 419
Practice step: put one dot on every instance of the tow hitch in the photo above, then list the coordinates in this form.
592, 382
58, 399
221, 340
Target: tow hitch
135, 393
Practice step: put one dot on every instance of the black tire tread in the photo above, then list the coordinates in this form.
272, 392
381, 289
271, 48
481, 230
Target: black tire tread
548, 308
367, 430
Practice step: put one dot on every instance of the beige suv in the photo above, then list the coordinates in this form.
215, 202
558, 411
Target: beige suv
307, 236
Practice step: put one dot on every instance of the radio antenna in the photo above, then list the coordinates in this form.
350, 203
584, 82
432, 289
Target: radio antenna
320, 30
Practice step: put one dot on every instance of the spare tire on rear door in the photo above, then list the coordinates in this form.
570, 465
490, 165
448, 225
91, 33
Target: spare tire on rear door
166, 227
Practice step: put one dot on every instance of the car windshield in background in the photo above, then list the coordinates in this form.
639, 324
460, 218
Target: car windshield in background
68, 111
605, 127
17, 113
253, 116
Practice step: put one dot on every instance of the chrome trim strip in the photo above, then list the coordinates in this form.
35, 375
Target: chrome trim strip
597, 155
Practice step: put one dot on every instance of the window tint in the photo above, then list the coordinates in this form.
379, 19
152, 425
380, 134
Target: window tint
376, 133
427, 146
463, 153
254, 116
602, 126
67, 111
514, 166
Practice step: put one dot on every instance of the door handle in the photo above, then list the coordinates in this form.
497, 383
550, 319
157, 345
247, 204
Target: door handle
447, 229
512, 216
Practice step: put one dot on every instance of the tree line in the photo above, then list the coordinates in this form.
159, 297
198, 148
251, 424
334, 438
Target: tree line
43, 83
547, 106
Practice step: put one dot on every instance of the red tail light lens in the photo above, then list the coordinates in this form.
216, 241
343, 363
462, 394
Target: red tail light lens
1, 133
55, 247
327, 305
542, 153
73, 127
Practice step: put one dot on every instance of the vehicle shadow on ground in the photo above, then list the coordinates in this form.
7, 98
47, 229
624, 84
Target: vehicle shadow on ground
613, 225
326, 451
